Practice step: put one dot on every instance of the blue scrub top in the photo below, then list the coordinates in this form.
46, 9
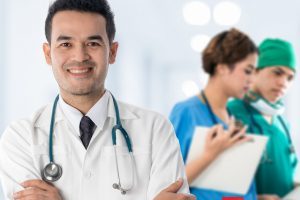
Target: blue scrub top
185, 116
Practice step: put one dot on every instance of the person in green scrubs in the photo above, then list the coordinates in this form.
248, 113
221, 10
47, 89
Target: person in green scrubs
262, 108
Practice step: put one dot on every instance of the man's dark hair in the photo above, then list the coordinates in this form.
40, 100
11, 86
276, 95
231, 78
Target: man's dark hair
95, 6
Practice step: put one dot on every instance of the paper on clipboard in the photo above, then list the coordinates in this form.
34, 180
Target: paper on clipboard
293, 195
233, 170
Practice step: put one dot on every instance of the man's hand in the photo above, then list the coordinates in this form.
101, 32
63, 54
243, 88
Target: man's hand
37, 189
296, 184
268, 197
170, 193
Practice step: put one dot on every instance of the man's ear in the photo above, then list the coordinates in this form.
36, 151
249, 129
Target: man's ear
47, 53
113, 52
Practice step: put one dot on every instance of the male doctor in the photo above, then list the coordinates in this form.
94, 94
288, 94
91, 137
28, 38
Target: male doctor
80, 35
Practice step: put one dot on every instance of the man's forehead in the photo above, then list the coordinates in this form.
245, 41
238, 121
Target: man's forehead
75, 22
283, 69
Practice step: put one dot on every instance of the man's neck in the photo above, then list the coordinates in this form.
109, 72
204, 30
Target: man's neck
83, 103
268, 118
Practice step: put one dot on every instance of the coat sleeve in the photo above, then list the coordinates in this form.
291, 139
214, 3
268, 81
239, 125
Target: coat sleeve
167, 163
16, 158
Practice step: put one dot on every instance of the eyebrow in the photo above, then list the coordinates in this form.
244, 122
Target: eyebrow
63, 37
281, 71
284, 72
93, 37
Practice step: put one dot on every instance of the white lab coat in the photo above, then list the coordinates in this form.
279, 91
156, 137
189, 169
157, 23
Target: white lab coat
89, 174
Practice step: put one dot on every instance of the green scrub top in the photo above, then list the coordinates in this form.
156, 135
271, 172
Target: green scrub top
276, 170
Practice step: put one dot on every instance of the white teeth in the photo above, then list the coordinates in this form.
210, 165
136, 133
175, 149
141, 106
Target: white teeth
78, 71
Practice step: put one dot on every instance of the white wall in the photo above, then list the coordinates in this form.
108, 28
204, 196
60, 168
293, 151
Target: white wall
2, 63
3, 69
28, 80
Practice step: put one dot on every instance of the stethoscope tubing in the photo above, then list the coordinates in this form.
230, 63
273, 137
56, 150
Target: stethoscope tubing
50, 178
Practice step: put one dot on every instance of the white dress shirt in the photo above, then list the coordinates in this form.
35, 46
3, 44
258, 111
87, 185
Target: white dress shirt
98, 113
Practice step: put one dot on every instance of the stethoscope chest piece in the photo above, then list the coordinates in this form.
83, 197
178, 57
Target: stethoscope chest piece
52, 172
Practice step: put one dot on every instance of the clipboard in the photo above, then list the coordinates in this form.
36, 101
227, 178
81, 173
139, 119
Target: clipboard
233, 170
293, 195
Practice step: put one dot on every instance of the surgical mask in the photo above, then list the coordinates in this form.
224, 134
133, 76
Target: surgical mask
263, 105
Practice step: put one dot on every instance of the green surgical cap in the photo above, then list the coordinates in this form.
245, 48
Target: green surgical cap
276, 52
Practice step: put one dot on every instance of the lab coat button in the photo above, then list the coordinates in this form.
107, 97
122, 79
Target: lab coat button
88, 174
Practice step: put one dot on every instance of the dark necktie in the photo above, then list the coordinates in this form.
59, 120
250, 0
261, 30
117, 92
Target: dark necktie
87, 128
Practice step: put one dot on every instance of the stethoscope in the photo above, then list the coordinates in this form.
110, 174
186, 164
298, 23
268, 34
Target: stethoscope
212, 115
53, 171
265, 157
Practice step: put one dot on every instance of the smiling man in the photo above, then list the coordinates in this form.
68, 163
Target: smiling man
97, 148
262, 110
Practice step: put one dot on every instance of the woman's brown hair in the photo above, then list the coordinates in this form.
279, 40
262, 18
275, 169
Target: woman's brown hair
228, 47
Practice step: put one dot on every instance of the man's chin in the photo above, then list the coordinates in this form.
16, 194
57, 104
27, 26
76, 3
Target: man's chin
275, 99
81, 93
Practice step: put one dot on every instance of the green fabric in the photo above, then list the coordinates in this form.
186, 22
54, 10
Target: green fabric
252, 97
276, 52
275, 177
263, 105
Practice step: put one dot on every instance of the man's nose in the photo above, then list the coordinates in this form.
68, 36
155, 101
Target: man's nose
81, 53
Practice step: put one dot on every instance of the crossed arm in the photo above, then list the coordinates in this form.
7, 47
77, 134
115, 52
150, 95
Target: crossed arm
40, 190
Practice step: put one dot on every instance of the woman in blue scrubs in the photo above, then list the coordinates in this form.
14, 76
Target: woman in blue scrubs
229, 59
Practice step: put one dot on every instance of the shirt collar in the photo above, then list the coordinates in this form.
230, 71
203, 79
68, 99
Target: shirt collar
126, 111
65, 111
98, 113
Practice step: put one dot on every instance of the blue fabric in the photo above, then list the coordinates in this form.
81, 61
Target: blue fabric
185, 116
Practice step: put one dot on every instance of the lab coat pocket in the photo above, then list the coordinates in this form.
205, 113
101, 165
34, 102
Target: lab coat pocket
133, 170
61, 155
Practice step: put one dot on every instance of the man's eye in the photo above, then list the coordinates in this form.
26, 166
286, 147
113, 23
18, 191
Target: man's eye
65, 44
290, 78
93, 44
278, 73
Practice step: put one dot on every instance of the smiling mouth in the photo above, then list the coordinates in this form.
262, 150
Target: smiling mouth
78, 72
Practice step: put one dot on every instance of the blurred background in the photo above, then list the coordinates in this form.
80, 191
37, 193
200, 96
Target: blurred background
160, 44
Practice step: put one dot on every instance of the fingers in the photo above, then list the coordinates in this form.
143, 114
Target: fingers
36, 183
174, 187
231, 125
213, 132
275, 197
184, 197
170, 193
37, 189
239, 135
218, 131
268, 197
29, 192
